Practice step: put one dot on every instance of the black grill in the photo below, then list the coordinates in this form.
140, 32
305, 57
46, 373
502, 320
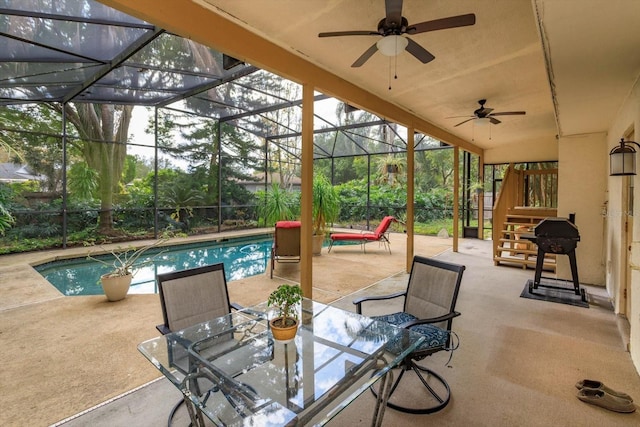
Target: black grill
557, 236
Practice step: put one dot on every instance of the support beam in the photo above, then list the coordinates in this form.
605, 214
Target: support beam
456, 197
306, 214
410, 195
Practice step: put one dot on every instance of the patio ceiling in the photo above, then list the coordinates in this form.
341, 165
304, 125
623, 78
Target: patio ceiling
569, 64
84, 51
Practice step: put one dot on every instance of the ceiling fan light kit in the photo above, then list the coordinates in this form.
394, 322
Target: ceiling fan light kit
483, 121
392, 45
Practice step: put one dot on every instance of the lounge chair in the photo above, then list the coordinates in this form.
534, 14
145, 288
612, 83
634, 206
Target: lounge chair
380, 234
286, 243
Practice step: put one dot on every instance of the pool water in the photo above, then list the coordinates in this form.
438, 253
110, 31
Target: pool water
241, 258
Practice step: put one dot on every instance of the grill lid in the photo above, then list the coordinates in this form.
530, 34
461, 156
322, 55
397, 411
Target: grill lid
557, 227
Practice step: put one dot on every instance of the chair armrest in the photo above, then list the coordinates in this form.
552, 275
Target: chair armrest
358, 301
438, 319
236, 306
163, 329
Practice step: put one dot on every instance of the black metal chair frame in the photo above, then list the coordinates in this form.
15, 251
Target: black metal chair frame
409, 363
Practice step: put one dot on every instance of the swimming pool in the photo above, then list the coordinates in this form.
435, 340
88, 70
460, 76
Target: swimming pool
241, 258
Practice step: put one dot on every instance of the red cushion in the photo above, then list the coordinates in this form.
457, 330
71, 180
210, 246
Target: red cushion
368, 235
288, 224
353, 236
384, 225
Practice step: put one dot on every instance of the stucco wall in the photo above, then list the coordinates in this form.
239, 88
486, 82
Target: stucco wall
582, 186
532, 151
627, 119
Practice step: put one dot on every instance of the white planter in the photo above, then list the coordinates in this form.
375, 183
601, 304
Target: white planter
316, 243
115, 287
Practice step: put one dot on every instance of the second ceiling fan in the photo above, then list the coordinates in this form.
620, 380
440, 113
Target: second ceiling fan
394, 25
485, 113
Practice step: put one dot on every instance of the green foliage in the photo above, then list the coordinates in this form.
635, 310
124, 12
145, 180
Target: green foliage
434, 204
326, 204
277, 204
130, 165
285, 298
82, 181
6, 218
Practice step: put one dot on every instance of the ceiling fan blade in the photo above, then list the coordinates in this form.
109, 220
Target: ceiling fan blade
510, 113
465, 121
459, 117
494, 121
393, 10
349, 33
365, 56
422, 54
443, 24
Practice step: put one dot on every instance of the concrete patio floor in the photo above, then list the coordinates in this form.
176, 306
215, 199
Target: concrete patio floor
517, 364
64, 355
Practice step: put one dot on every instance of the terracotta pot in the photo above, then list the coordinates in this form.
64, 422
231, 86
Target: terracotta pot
284, 334
115, 287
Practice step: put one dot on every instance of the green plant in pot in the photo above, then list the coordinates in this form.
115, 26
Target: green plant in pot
276, 204
285, 298
124, 264
325, 210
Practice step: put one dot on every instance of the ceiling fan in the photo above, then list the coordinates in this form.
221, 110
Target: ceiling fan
486, 114
394, 25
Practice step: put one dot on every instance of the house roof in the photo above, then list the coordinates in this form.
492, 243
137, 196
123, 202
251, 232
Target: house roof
12, 172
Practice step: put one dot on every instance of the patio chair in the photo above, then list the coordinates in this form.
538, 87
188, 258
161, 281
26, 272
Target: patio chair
286, 243
429, 309
192, 296
380, 234
189, 297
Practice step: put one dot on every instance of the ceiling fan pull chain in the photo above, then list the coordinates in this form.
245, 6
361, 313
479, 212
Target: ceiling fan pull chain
395, 67
389, 73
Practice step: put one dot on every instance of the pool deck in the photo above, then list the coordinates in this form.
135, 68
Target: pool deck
63, 355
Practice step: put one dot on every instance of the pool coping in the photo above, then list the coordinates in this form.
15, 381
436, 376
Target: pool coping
21, 284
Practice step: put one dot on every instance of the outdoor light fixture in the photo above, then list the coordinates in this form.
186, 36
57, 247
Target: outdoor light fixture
392, 45
622, 159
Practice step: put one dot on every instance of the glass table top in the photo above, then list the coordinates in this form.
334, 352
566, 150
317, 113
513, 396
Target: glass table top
233, 370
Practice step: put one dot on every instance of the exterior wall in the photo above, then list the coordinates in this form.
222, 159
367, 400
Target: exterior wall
582, 187
627, 119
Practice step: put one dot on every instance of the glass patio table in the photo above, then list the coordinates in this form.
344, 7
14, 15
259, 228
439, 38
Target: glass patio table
231, 370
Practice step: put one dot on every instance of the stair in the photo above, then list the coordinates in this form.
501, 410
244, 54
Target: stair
514, 250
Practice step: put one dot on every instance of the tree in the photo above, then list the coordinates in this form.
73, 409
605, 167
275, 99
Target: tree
102, 131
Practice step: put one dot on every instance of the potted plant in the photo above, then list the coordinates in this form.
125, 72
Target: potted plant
325, 210
124, 264
285, 298
277, 204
